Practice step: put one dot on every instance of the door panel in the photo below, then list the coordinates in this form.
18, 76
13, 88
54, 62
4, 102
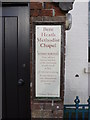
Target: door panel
11, 62
3, 71
16, 66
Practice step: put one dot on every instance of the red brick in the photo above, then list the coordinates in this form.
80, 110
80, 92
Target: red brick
35, 5
46, 12
58, 114
34, 13
58, 12
50, 5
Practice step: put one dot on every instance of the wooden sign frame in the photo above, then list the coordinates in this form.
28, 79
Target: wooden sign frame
62, 67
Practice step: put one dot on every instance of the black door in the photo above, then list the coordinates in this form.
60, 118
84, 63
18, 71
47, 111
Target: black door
16, 74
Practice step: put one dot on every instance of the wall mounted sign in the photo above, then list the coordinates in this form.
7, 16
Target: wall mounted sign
47, 60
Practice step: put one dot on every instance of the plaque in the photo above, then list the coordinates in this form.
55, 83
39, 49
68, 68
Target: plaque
47, 60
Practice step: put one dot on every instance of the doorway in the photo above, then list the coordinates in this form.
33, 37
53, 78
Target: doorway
16, 61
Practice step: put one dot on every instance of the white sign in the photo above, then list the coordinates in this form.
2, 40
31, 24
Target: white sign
47, 60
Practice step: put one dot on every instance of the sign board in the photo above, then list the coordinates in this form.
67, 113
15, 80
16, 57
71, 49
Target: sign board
47, 60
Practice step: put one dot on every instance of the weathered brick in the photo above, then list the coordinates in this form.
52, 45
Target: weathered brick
35, 5
58, 12
58, 114
46, 12
34, 13
50, 5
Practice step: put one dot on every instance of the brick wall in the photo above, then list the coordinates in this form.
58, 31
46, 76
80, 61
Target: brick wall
45, 9
44, 109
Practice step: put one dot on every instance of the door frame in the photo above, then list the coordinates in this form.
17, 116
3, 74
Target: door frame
27, 55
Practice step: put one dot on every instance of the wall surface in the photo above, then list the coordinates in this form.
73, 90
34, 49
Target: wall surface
77, 55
